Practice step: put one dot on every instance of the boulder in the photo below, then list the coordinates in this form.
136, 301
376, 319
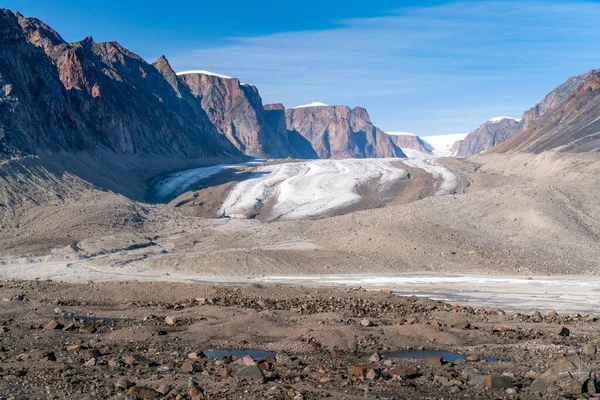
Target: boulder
403, 373
366, 322
53, 325
252, 372
571, 375
589, 350
498, 382
462, 325
437, 361
139, 392
539, 386
360, 370
562, 332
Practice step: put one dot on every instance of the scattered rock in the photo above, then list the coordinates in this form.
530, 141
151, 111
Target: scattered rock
360, 370
247, 372
283, 358
164, 389
195, 355
123, 384
562, 332
139, 392
539, 386
188, 368
170, 320
404, 373
366, 322
53, 325
570, 374
195, 392
589, 350
498, 382
462, 325
376, 357
436, 361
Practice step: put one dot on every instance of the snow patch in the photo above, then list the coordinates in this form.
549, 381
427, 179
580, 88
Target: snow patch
315, 104
441, 144
200, 71
310, 188
498, 119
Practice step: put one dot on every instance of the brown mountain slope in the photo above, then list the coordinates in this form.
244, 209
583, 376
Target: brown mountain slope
341, 132
237, 112
486, 136
409, 142
95, 111
568, 119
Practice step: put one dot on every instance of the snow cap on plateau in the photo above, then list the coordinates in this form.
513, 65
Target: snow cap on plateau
498, 119
315, 104
199, 71
441, 144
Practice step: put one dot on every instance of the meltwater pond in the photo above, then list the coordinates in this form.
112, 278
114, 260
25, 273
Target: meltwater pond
423, 354
257, 354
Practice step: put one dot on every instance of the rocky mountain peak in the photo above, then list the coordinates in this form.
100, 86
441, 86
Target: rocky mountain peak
360, 112
275, 106
340, 132
238, 113
10, 30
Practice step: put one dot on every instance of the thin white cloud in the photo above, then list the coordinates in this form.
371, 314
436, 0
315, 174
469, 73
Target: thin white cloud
410, 66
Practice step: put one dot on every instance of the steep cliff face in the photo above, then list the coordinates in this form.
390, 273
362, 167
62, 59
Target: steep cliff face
296, 144
486, 136
566, 120
104, 95
35, 111
340, 132
237, 112
409, 141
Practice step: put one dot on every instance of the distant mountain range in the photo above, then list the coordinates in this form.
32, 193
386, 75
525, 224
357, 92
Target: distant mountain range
567, 119
99, 110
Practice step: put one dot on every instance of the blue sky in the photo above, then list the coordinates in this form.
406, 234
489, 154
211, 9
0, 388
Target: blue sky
429, 67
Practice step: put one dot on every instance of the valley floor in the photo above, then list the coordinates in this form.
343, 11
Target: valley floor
149, 340
509, 219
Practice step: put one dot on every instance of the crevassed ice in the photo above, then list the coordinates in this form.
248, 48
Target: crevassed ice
304, 189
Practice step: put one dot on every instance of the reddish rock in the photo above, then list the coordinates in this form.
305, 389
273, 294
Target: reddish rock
140, 392
341, 132
53, 325
360, 370
409, 141
404, 373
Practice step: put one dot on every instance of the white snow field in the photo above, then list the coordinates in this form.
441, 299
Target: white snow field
203, 72
441, 144
498, 119
309, 188
315, 104
175, 184
447, 180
